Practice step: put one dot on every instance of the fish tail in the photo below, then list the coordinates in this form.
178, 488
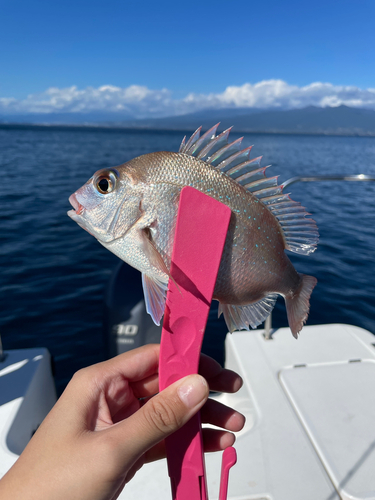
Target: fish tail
298, 304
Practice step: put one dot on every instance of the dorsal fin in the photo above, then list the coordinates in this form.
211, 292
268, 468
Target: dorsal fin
300, 233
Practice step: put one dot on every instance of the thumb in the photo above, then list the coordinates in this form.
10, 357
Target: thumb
162, 415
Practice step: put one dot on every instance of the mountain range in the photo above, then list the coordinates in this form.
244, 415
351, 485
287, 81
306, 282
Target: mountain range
340, 120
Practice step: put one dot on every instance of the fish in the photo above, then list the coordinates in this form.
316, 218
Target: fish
132, 211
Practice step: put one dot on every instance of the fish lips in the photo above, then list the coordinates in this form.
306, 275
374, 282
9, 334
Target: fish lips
76, 214
78, 208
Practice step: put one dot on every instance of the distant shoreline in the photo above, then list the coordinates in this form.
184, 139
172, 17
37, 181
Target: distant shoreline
182, 129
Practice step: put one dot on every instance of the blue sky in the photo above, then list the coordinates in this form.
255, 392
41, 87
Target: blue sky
179, 56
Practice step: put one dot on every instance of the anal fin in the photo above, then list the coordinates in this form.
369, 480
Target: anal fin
250, 315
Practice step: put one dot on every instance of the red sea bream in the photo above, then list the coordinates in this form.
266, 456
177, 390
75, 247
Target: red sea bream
132, 210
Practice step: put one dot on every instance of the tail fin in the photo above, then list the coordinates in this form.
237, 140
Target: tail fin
298, 305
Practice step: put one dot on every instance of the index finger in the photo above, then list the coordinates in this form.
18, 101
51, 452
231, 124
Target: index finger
141, 366
135, 365
219, 379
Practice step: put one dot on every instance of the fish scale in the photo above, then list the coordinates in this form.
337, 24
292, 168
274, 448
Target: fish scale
249, 217
135, 216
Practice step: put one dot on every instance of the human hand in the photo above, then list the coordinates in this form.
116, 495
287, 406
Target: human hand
106, 425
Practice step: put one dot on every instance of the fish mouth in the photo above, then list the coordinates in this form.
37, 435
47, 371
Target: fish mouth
77, 213
78, 208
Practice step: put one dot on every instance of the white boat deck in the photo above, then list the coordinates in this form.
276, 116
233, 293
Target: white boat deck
27, 393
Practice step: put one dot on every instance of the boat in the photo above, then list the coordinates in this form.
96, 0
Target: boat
310, 413
27, 394
309, 406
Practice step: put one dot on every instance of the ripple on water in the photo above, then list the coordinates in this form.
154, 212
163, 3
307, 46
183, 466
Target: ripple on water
53, 274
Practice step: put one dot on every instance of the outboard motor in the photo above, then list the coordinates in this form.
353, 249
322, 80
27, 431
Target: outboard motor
127, 324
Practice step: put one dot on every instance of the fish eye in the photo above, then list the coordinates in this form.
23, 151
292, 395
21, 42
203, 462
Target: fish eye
105, 182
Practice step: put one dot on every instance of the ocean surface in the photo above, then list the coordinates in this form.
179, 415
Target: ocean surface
53, 274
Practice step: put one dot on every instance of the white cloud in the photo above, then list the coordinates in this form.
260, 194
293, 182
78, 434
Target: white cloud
279, 94
140, 101
134, 100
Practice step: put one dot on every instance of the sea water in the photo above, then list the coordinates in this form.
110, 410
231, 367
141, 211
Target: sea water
53, 274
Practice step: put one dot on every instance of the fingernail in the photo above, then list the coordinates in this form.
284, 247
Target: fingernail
193, 391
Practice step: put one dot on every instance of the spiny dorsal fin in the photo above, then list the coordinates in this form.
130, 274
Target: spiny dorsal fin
301, 233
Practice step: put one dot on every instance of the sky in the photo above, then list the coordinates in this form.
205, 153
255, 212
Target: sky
160, 58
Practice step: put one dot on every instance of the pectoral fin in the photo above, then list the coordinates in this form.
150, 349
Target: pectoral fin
152, 254
155, 290
155, 293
